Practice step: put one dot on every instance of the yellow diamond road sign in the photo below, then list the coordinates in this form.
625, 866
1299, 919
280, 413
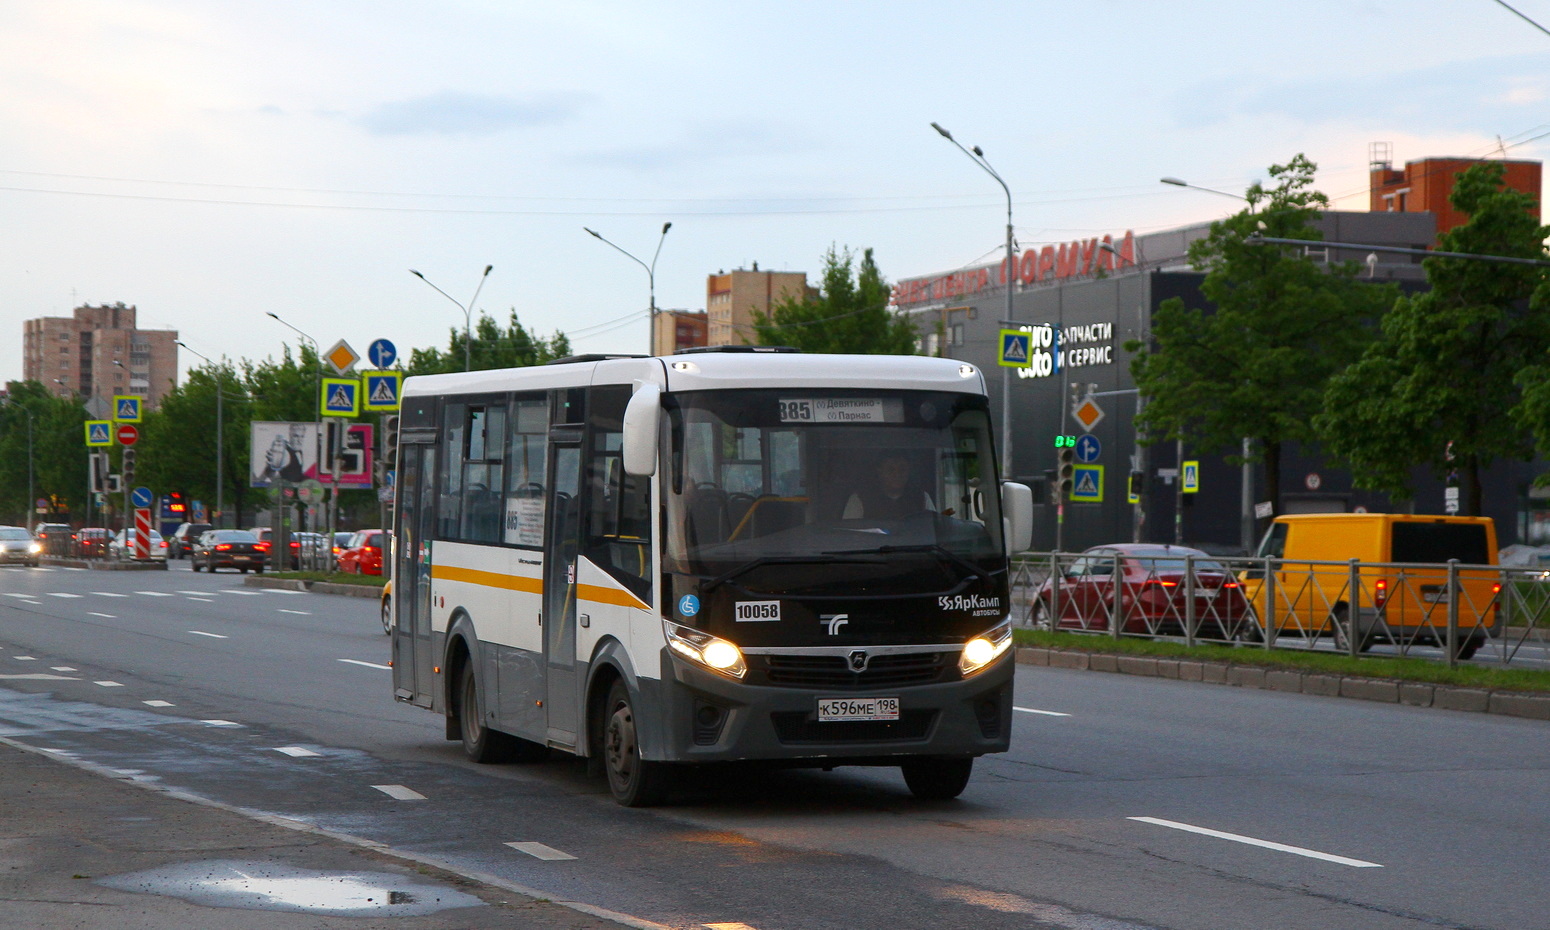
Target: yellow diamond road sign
1088, 413
341, 357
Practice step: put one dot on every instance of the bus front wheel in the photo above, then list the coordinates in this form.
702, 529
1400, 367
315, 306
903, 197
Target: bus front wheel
937, 779
635, 782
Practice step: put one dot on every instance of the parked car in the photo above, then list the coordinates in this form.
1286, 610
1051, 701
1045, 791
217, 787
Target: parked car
342, 542
265, 536
363, 555
56, 538
182, 541
124, 551
17, 545
91, 542
237, 549
1150, 595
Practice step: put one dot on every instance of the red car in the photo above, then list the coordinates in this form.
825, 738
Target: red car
363, 556
1152, 591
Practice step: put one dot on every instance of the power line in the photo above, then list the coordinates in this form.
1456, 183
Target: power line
1523, 17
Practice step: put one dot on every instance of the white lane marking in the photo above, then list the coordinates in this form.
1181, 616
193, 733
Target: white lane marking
220, 723
304, 613
29, 597
284, 591
39, 676
400, 793
154, 593
25, 658
367, 664
211, 635
109, 594
93, 613
158, 703
727, 926
1266, 844
297, 751
202, 600
540, 851
108, 684
1047, 713
243, 593
62, 668
196, 593
63, 594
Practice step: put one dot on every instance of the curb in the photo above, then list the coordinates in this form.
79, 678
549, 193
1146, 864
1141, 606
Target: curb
104, 565
1533, 705
314, 587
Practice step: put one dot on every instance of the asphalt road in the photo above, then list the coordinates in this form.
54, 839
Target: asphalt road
1125, 802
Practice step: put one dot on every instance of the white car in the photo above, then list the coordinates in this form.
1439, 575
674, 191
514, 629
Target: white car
125, 552
17, 545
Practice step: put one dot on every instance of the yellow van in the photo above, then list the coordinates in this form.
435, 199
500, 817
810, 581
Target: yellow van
1400, 578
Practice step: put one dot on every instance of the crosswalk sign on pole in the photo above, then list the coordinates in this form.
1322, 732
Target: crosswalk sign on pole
126, 408
1191, 477
1087, 484
99, 432
382, 389
1015, 351
341, 397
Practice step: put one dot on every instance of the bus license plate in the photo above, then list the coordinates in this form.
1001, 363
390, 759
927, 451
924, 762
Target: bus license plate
879, 708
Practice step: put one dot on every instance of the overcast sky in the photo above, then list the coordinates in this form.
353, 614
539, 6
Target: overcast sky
211, 161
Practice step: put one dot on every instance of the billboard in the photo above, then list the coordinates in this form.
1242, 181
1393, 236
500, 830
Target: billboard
288, 453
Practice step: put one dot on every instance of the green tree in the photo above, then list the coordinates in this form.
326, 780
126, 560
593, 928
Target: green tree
850, 315
178, 440
58, 452
492, 347
1279, 325
1437, 389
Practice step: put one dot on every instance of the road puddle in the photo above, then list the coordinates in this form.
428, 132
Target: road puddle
263, 886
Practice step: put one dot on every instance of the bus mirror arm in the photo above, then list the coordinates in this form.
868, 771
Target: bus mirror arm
1017, 504
641, 419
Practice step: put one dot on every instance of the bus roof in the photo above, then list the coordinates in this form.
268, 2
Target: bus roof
720, 371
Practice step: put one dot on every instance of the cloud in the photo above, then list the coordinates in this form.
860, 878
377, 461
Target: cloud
456, 113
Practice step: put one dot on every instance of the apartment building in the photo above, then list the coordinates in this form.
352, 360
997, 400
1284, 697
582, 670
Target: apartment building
100, 352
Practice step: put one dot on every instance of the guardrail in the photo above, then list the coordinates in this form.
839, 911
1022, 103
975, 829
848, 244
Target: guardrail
1444, 611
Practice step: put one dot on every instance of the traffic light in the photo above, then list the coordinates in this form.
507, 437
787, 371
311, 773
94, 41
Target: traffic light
127, 467
1065, 472
390, 440
1137, 483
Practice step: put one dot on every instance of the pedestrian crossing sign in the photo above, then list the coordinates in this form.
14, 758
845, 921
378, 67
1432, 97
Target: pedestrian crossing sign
126, 408
99, 432
341, 397
1087, 484
382, 389
1015, 352
1191, 477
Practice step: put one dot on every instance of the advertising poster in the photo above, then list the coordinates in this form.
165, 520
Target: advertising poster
288, 452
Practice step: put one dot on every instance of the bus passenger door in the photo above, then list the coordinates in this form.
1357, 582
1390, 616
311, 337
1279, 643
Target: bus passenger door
413, 665
563, 548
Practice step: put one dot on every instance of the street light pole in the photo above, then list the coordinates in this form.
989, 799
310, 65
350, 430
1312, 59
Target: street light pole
282, 541
468, 336
220, 432
29, 502
1246, 479
977, 156
651, 281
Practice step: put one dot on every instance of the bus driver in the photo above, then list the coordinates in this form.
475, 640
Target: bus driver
893, 495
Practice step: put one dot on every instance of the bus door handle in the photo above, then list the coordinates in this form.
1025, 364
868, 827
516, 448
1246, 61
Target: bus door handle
540, 618
585, 620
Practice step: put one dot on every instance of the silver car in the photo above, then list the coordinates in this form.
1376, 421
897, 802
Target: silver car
125, 551
17, 545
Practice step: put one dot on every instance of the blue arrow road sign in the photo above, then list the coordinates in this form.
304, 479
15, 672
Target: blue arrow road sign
140, 497
1088, 448
382, 353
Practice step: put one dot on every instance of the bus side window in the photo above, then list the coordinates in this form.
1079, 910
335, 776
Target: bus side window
618, 531
527, 446
482, 482
449, 510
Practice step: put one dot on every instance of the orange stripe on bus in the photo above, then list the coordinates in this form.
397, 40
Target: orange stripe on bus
614, 596
488, 579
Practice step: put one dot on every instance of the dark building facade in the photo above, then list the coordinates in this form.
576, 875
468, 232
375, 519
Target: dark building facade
1084, 301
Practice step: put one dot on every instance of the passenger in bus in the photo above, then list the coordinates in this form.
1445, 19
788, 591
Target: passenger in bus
894, 494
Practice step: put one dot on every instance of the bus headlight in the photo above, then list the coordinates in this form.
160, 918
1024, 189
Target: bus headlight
714, 653
985, 648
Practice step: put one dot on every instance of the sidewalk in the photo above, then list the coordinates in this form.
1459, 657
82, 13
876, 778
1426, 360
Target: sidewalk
65, 830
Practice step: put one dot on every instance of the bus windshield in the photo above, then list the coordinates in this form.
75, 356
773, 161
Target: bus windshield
846, 477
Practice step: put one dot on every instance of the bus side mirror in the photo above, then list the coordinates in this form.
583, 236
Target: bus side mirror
1017, 505
640, 430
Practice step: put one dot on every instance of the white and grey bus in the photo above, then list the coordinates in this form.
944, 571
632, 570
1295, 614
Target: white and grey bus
709, 557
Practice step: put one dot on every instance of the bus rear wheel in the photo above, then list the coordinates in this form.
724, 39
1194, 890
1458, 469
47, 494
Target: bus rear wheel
634, 781
480, 743
937, 779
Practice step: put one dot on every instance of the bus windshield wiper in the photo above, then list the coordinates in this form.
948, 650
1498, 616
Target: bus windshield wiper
945, 553
752, 564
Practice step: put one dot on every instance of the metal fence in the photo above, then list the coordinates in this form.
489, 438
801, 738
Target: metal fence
1443, 611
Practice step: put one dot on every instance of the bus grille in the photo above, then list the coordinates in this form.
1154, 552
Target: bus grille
832, 672
793, 727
